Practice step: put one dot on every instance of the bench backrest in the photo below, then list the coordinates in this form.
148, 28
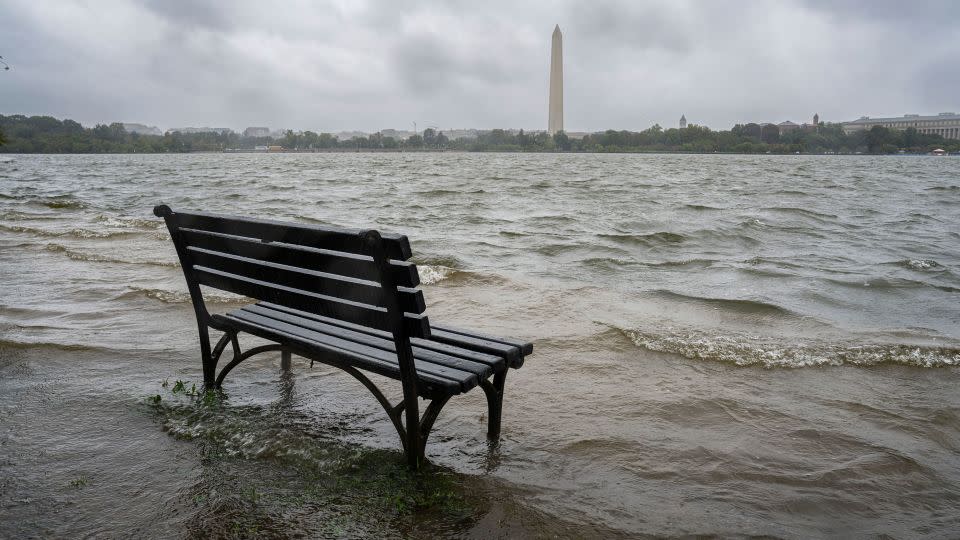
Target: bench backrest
355, 276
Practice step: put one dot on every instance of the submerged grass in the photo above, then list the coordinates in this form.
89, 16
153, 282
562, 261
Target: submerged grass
266, 473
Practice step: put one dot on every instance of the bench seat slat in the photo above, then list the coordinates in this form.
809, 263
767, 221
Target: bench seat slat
356, 290
481, 365
465, 379
322, 260
484, 349
288, 332
512, 354
427, 383
348, 240
526, 348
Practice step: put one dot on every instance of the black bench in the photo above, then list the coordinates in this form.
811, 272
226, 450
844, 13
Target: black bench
347, 298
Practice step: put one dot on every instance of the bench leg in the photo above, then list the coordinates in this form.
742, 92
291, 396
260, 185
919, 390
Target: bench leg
494, 394
206, 356
284, 360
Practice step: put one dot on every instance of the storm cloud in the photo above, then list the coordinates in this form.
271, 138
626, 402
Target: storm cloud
373, 65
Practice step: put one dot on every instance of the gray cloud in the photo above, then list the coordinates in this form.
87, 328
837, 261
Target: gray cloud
372, 65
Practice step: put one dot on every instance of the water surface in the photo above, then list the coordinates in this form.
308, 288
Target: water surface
723, 345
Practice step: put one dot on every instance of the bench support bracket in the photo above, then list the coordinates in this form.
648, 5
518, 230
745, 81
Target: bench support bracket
424, 425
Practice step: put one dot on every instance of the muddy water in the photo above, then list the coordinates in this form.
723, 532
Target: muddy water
723, 345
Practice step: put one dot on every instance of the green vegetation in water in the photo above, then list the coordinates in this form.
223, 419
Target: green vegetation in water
79, 481
262, 467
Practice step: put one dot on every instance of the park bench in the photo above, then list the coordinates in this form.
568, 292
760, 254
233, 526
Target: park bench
342, 297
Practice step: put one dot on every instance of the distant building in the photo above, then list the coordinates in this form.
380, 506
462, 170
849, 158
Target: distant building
256, 132
185, 130
945, 124
347, 135
142, 129
683, 122
395, 134
787, 127
454, 134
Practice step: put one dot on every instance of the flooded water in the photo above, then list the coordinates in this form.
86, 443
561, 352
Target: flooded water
724, 345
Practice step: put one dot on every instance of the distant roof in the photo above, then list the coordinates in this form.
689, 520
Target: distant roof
907, 118
683, 117
787, 123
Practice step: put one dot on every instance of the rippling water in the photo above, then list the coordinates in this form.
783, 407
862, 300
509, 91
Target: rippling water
724, 345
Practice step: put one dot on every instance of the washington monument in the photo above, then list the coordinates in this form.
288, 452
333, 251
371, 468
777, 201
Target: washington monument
555, 120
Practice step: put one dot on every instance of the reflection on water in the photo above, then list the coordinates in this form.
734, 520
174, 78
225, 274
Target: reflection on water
725, 345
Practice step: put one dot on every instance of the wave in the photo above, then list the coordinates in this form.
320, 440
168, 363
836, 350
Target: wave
96, 257
13, 344
182, 297
556, 249
609, 263
742, 350
701, 207
75, 233
649, 239
59, 202
129, 222
431, 275
922, 265
14, 215
735, 305
890, 284
820, 216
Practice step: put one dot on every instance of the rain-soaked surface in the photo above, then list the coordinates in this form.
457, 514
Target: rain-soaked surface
723, 345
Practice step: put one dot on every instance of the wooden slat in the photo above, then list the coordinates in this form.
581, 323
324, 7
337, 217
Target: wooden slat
347, 240
494, 360
426, 384
526, 348
496, 363
464, 379
356, 290
313, 258
509, 352
482, 365
417, 326
328, 306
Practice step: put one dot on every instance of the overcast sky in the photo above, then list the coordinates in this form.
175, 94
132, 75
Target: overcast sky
372, 65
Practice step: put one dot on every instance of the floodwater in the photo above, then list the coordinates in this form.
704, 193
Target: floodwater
723, 345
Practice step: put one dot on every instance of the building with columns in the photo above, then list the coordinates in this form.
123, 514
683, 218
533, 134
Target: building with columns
946, 124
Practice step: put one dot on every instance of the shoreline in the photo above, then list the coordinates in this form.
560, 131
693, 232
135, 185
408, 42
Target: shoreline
449, 151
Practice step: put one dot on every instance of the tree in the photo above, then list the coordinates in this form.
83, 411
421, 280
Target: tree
770, 134
429, 137
415, 141
524, 141
2, 139
327, 140
881, 140
310, 140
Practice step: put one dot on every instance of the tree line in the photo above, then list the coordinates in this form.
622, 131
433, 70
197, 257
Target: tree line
44, 134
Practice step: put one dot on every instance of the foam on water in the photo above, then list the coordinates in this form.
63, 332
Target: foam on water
778, 352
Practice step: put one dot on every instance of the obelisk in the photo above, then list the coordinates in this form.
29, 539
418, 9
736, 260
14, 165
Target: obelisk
555, 119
